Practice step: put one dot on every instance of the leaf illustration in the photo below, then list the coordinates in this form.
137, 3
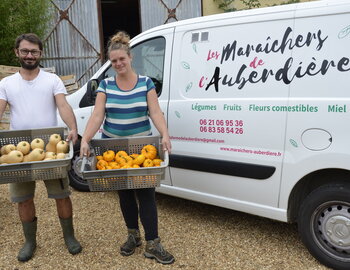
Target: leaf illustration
344, 32
188, 87
194, 47
292, 142
177, 114
185, 65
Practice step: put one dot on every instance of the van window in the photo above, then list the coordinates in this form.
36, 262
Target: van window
148, 59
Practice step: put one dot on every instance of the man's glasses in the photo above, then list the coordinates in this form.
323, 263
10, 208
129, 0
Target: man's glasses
25, 52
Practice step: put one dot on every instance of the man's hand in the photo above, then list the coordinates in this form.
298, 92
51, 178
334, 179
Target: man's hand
72, 136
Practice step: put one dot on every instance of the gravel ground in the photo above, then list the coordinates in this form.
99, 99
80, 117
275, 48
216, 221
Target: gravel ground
199, 236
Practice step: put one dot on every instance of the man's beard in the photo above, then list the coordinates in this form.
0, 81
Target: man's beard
29, 66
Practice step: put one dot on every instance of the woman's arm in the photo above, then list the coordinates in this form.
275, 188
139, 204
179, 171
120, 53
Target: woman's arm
158, 119
94, 123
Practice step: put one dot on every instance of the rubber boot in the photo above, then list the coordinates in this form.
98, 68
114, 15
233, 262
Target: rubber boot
72, 244
27, 251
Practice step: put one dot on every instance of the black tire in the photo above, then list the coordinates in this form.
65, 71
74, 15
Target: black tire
74, 174
324, 225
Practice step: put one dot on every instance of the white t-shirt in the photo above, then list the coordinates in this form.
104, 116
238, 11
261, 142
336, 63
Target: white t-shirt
32, 103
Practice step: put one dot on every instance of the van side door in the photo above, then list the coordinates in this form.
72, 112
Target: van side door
228, 110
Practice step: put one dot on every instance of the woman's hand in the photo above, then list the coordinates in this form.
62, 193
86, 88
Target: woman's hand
84, 149
166, 144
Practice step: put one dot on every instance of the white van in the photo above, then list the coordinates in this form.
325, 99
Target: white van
258, 108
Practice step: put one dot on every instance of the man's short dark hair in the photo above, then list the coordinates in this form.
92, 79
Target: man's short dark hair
30, 37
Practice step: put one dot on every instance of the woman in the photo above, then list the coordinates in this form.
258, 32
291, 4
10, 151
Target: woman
125, 101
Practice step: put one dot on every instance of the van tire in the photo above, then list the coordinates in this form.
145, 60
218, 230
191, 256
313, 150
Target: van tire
75, 179
324, 225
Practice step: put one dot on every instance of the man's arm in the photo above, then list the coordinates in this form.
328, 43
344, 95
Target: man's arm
3, 104
67, 115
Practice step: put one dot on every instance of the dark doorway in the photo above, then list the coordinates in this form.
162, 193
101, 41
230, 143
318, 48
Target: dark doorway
119, 15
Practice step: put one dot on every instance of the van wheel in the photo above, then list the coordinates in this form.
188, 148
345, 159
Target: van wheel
74, 174
324, 225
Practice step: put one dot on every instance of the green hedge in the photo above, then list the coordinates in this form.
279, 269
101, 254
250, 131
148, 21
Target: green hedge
228, 5
18, 17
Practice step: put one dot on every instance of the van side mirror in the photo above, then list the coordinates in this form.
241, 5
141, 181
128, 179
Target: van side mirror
158, 85
90, 95
91, 90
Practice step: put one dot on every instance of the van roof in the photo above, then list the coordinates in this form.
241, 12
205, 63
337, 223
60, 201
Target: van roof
250, 12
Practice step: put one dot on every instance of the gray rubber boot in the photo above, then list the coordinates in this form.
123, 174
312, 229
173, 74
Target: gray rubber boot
72, 244
27, 251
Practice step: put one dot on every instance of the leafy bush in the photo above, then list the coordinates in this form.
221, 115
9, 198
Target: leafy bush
227, 5
251, 3
289, 2
18, 17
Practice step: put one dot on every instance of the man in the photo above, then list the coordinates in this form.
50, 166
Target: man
34, 96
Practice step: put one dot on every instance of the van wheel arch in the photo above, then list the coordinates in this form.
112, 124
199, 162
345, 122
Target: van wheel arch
324, 224
311, 182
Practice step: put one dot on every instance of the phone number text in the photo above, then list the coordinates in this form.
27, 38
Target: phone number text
221, 126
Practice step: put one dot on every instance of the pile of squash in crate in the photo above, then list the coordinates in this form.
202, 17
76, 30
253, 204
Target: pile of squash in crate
110, 159
36, 150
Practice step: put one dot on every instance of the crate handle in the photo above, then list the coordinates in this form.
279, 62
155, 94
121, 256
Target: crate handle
85, 165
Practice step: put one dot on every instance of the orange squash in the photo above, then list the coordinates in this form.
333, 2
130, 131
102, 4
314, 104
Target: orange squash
134, 156
126, 166
139, 159
157, 161
116, 167
120, 154
124, 160
99, 157
101, 164
149, 151
108, 155
148, 163
112, 164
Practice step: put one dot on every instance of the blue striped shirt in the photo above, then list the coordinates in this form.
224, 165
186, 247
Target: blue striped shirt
126, 111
